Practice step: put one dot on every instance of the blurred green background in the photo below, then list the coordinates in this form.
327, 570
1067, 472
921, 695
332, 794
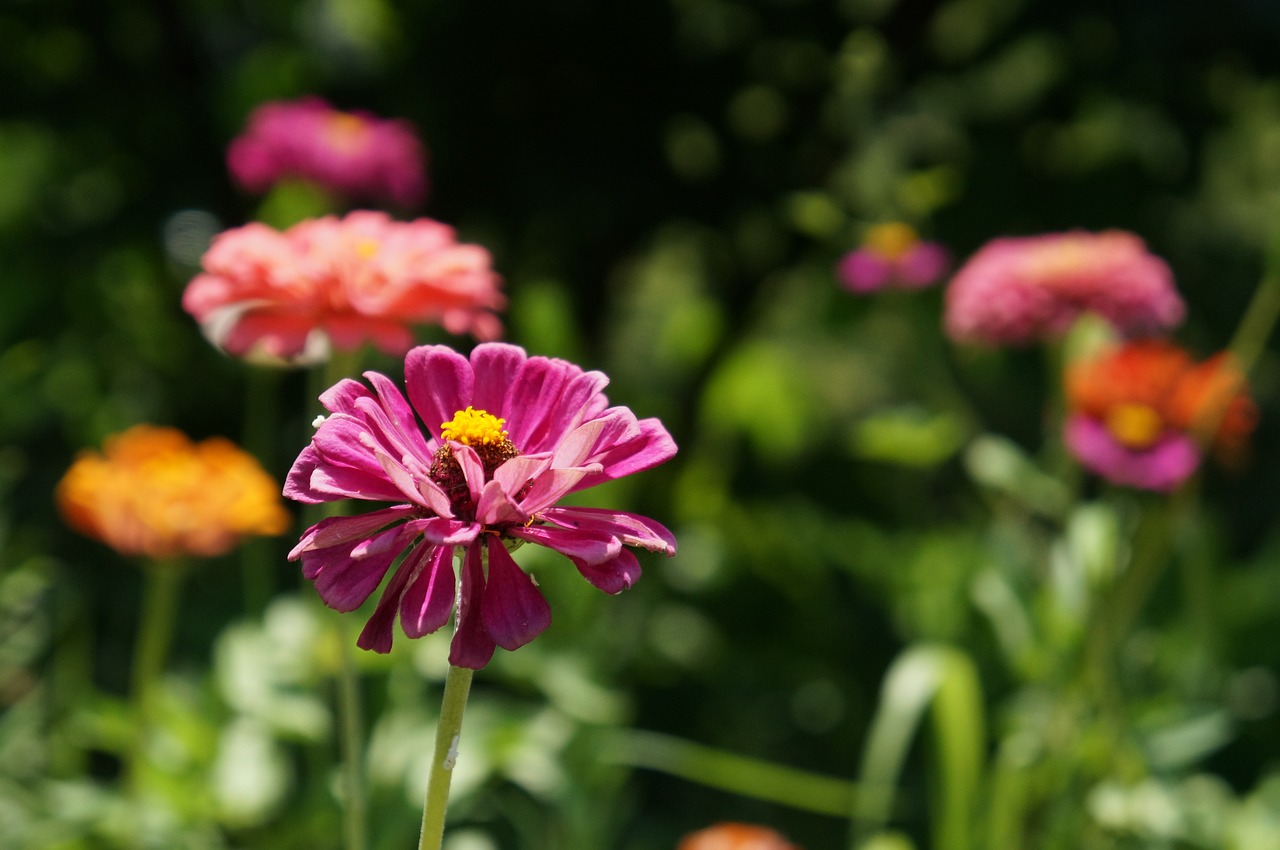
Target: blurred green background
665, 187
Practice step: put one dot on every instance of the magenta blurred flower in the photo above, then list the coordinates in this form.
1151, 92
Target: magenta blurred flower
1017, 290
506, 437
352, 154
335, 283
892, 256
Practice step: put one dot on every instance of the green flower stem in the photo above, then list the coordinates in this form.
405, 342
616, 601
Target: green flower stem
351, 744
163, 580
261, 420
457, 685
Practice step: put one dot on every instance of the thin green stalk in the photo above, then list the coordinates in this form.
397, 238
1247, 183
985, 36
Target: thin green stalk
351, 745
457, 685
261, 420
163, 580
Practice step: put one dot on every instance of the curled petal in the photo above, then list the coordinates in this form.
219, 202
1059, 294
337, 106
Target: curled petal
471, 646
592, 547
641, 445
378, 631
513, 610
614, 575
339, 530
342, 396
346, 575
429, 599
631, 529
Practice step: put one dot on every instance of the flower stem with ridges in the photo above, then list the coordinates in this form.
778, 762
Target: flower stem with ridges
457, 685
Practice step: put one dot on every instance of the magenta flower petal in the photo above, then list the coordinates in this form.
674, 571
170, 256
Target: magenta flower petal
612, 576
428, 600
593, 547
377, 633
336, 531
631, 529
863, 271
512, 609
345, 575
471, 646
438, 380
1162, 467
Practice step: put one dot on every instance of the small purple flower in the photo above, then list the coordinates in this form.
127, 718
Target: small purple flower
892, 256
506, 437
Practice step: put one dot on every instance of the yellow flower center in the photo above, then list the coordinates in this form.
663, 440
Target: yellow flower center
891, 240
473, 427
1136, 426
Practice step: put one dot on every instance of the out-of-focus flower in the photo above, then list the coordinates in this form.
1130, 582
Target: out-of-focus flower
335, 282
1143, 413
506, 437
735, 836
352, 154
154, 493
892, 256
1019, 290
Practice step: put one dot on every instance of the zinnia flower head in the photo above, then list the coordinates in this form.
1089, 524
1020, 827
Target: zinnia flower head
154, 493
1019, 290
498, 439
735, 836
336, 282
892, 256
1143, 413
352, 154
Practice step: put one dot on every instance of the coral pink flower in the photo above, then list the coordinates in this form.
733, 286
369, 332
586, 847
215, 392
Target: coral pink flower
735, 836
351, 154
1015, 291
333, 282
892, 256
506, 437
1143, 412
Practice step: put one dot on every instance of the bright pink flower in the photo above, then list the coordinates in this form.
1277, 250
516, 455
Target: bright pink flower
352, 154
1018, 290
892, 256
506, 437
333, 282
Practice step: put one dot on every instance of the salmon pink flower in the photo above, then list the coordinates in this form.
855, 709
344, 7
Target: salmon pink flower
892, 256
1015, 291
336, 282
1143, 413
354, 155
154, 493
735, 836
503, 437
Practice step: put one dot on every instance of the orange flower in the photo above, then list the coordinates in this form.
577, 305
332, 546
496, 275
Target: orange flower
154, 493
1144, 413
735, 836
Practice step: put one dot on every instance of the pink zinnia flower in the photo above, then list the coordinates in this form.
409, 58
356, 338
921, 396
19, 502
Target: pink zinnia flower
1017, 290
1143, 412
352, 154
333, 282
506, 437
892, 256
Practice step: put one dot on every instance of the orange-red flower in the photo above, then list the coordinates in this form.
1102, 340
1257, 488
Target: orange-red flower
735, 836
1144, 412
154, 493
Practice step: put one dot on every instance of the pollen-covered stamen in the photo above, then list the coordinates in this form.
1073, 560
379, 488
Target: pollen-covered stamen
483, 432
